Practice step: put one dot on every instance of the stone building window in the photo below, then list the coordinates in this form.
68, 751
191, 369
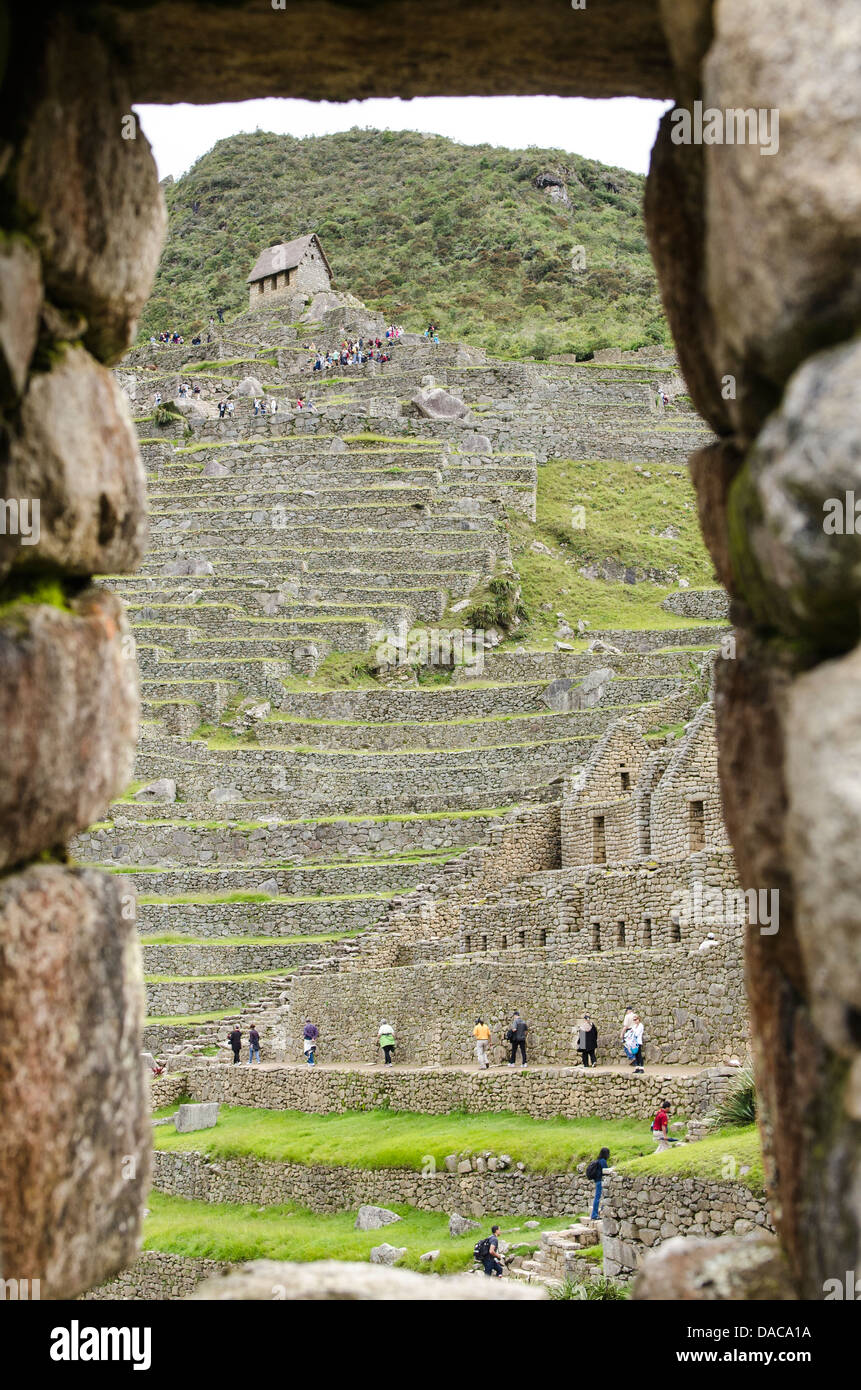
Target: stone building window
620, 933
484, 943
599, 841
504, 945
626, 781
697, 825
675, 929
467, 944
521, 938
647, 931
596, 936
542, 937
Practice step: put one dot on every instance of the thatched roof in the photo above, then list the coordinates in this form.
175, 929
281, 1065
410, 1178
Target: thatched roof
285, 256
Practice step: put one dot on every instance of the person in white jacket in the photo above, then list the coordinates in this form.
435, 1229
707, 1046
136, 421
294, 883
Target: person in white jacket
634, 1043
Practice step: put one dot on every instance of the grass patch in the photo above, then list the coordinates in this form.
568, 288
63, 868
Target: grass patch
184, 1020
223, 1231
719, 1158
624, 513
403, 1139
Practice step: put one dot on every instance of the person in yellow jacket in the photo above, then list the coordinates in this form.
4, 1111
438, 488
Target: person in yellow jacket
481, 1033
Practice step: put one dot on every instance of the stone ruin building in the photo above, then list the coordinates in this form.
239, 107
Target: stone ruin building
757, 260
289, 269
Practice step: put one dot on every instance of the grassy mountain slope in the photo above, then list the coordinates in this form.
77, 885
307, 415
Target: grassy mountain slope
421, 227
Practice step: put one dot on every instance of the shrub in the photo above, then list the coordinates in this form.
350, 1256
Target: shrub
738, 1106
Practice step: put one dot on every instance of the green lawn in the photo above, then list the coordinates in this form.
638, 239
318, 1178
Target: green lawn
403, 1139
624, 513
223, 1231
720, 1158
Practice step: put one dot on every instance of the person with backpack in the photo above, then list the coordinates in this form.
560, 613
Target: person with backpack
595, 1173
310, 1034
235, 1040
516, 1035
481, 1033
486, 1251
386, 1036
253, 1044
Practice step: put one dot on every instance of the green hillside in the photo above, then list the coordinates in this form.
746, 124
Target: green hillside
421, 227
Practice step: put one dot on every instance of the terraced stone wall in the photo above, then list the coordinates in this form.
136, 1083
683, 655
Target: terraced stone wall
154, 1276
129, 839
640, 1213
541, 1092
689, 1004
323, 1189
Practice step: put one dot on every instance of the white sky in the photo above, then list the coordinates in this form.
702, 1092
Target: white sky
619, 132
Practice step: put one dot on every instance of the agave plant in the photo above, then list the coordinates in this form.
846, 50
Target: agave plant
738, 1105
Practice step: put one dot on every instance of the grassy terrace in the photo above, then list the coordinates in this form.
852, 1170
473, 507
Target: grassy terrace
177, 1020
178, 899
624, 514
222, 1231
718, 1158
309, 820
217, 979
402, 1139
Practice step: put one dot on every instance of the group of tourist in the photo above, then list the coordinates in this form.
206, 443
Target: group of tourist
185, 390
350, 354
234, 1038
585, 1040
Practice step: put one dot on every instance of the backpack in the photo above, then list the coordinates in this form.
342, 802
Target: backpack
594, 1171
481, 1249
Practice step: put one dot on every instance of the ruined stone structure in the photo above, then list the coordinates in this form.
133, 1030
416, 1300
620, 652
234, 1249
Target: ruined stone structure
288, 270
758, 264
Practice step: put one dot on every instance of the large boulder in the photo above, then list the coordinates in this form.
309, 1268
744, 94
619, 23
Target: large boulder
69, 716
387, 1254
75, 450
93, 203
782, 238
461, 1225
162, 790
371, 1218
249, 386
436, 404
75, 1139
339, 1281
20, 303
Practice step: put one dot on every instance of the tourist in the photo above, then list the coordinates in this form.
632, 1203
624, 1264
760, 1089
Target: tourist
256, 406
253, 1044
386, 1036
634, 1043
222, 406
230, 408
220, 313
487, 1251
235, 1040
661, 1124
310, 1034
587, 1040
595, 1172
627, 1022
481, 1033
158, 398
516, 1035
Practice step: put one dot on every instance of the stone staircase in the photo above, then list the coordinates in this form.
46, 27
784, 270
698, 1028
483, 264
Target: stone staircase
559, 1257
